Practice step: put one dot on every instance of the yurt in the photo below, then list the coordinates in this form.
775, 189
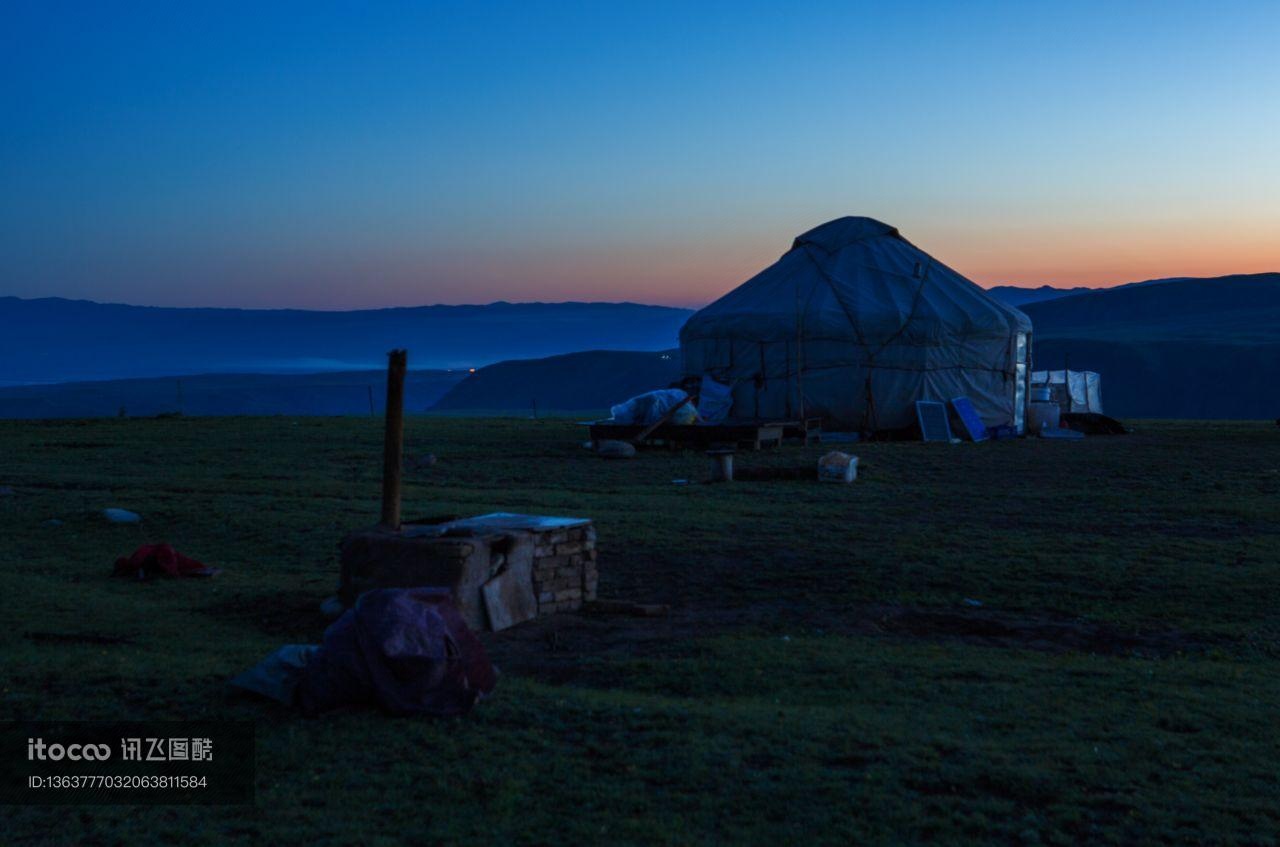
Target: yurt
854, 324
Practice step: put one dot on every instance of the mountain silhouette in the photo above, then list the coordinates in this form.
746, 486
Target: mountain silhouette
1185, 348
336, 393
1170, 348
1016, 296
56, 340
590, 381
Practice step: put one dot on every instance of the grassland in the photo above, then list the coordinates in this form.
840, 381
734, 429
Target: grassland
826, 674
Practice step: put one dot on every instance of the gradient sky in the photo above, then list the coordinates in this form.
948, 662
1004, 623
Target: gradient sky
328, 156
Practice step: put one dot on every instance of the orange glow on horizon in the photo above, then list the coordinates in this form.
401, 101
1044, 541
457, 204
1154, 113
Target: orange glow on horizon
697, 269
1101, 259
695, 274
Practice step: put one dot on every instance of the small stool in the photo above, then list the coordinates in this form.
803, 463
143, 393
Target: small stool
722, 464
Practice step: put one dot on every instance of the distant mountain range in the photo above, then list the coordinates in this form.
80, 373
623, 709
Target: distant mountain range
1238, 309
56, 340
1186, 348
594, 380
1175, 348
338, 393
1013, 295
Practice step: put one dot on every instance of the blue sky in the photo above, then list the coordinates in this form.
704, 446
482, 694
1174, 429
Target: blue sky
327, 156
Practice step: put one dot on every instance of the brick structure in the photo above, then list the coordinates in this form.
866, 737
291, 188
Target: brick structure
564, 568
501, 568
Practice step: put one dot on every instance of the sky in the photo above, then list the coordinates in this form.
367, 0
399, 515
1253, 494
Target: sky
336, 156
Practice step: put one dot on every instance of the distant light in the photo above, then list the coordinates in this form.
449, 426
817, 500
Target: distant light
472, 370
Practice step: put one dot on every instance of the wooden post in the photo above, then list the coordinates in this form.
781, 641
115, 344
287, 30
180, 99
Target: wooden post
393, 440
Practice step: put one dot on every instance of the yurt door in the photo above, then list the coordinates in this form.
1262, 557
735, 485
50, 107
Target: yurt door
1021, 348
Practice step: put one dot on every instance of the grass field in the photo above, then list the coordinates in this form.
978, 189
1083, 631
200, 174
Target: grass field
826, 674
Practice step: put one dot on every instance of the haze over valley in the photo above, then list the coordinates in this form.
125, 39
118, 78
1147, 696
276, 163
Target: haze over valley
1182, 347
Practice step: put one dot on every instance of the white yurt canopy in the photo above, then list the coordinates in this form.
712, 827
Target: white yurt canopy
854, 324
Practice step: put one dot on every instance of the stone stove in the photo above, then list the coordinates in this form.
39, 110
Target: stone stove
502, 568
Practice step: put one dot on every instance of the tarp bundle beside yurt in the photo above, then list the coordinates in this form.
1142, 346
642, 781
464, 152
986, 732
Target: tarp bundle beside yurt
853, 325
1073, 391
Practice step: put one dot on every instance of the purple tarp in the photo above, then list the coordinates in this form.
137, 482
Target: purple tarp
406, 650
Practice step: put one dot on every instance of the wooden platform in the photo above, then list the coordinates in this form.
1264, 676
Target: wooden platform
746, 435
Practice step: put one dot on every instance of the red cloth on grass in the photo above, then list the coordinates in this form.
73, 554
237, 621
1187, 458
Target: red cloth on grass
160, 560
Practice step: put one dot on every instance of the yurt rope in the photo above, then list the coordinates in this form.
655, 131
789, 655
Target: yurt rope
870, 420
